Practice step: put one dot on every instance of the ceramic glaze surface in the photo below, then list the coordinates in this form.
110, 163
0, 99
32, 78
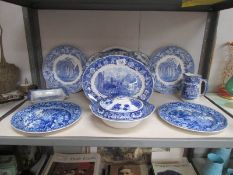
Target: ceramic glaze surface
117, 75
139, 56
46, 117
63, 67
192, 86
192, 117
169, 65
40, 95
118, 116
121, 104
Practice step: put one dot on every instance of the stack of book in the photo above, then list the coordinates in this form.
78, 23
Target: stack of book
183, 168
73, 164
127, 169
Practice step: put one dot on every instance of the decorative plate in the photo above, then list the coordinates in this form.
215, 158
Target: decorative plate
192, 117
122, 117
169, 65
63, 67
117, 75
46, 117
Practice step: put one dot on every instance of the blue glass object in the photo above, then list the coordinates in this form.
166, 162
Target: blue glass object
224, 153
214, 166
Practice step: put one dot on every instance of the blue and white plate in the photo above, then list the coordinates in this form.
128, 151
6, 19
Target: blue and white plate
63, 67
46, 117
192, 117
117, 75
170, 63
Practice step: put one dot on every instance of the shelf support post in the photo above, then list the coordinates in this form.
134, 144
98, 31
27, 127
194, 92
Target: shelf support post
208, 45
31, 23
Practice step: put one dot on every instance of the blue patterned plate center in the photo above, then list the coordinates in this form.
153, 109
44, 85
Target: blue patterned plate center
117, 75
46, 117
192, 117
66, 70
170, 63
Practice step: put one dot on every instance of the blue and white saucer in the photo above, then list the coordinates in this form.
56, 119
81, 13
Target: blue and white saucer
117, 75
63, 67
192, 117
46, 117
170, 63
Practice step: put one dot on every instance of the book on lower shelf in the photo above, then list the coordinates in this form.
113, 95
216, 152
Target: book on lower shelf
128, 169
173, 169
71, 164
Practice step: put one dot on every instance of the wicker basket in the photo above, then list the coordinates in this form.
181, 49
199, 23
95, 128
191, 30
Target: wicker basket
9, 73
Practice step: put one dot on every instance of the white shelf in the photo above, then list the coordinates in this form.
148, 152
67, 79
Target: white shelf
91, 131
6, 107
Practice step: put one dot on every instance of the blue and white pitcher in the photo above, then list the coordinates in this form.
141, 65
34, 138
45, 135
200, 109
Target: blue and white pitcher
193, 86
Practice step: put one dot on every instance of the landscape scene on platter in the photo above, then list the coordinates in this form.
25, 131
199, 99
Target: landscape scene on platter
169, 71
118, 81
66, 70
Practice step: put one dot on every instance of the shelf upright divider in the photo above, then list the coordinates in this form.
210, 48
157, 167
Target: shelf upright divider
32, 30
208, 45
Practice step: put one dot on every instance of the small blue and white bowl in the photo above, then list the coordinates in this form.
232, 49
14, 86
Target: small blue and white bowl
122, 112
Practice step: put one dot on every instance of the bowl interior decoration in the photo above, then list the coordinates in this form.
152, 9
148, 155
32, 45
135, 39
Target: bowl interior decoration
121, 104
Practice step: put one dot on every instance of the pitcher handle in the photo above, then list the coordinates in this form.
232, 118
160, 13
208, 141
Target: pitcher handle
205, 88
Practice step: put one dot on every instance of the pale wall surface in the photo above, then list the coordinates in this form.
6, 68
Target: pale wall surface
92, 31
221, 54
14, 41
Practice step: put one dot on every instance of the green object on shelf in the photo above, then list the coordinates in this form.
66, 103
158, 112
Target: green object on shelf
229, 86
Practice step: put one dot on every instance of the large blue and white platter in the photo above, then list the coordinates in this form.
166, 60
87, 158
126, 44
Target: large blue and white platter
192, 117
170, 63
46, 117
63, 67
117, 75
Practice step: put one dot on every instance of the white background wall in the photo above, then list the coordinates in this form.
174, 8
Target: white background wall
92, 31
221, 53
14, 41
